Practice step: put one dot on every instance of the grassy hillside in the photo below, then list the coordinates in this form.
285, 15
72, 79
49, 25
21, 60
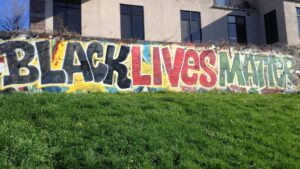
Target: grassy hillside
161, 130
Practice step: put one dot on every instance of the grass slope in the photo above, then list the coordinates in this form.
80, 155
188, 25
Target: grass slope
161, 130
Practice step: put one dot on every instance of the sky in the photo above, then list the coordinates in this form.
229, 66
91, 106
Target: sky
6, 6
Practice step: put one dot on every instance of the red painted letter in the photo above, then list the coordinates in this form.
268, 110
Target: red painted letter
157, 76
210, 78
190, 80
137, 78
173, 70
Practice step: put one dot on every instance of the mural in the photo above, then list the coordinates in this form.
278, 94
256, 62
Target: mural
42, 65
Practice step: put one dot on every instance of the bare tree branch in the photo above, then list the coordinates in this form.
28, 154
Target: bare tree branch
14, 18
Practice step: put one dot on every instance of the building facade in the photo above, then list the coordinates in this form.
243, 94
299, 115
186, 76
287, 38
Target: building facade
242, 21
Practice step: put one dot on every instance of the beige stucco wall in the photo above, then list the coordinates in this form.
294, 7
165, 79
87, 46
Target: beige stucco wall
293, 35
101, 18
162, 19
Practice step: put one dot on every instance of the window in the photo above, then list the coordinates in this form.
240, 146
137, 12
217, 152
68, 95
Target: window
222, 3
190, 26
271, 27
298, 16
237, 29
132, 22
67, 15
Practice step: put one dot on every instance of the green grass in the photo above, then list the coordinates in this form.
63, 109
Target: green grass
160, 130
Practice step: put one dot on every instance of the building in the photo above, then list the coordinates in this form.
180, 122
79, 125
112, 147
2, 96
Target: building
243, 21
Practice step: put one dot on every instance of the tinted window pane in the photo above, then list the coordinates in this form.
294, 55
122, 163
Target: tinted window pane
195, 31
185, 31
240, 20
73, 5
299, 25
67, 15
195, 16
132, 22
125, 9
241, 33
237, 29
185, 15
190, 26
73, 21
59, 18
231, 19
70, 3
271, 27
137, 10
232, 33
74, 2
298, 16
126, 26
60, 2
137, 27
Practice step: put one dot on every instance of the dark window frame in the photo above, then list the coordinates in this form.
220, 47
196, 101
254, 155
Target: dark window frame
68, 5
271, 37
190, 27
236, 24
132, 14
298, 18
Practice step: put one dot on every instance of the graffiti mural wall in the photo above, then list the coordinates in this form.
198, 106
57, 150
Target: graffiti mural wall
43, 65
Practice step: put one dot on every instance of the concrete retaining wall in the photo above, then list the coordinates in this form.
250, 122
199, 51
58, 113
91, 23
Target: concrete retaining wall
57, 65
